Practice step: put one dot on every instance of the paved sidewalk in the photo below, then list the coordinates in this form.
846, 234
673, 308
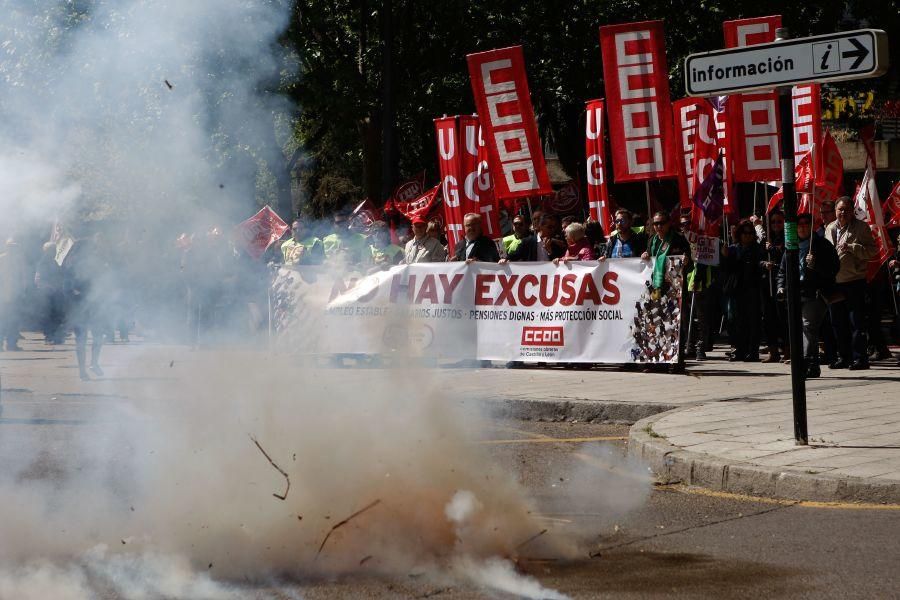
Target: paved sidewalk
747, 445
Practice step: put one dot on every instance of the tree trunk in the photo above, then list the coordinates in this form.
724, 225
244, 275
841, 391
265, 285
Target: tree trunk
388, 143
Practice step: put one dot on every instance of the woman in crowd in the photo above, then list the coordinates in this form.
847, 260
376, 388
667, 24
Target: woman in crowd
743, 269
578, 246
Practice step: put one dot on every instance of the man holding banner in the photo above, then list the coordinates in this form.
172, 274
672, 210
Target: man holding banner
475, 246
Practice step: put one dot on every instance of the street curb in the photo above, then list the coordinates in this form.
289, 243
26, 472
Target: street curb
583, 411
671, 464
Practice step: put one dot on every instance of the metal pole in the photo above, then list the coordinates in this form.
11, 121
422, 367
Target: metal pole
754, 197
792, 259
647, 192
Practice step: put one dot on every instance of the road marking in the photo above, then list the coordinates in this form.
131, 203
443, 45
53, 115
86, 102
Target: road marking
550, 440
780, 501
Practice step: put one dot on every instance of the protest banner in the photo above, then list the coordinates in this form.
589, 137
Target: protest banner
597, 312
867, 208
595, 152
705, 250
500, 87
477, 188
447, 132
635, 74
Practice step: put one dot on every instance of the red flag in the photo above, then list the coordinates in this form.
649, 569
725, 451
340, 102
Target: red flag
867, 207
720, 115
699, 149
410, 189
831, 174
867, 137
478, 193
260, 231
500, 87
753, 118
595, 151
807, 108
891, 206
364, 215
803, 182
635, 73
448, 160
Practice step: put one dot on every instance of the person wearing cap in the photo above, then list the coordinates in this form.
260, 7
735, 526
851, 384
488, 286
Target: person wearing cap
302, 248
818, 266
423, 248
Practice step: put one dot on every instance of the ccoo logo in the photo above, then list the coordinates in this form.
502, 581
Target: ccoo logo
542, 336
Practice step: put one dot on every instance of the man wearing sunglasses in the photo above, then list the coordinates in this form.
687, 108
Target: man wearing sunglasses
665, 243
624, 242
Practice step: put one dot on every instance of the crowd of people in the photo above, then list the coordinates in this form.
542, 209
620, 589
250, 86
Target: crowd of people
743, 295
220, 288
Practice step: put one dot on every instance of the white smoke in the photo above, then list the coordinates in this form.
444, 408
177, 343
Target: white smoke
109, 111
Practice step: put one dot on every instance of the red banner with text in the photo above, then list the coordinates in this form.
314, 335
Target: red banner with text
595, 151
753, 118
447, 132
500, 87
478, 192
642, 136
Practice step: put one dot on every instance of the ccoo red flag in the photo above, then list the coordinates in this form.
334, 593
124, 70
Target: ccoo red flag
867, 207
635, 74
595, 152
500, 87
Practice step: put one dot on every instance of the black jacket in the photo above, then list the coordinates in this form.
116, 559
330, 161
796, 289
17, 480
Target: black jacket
742, 268
819, 277
526, 251
485, 250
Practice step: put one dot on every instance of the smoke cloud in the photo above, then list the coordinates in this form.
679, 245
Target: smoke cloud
155, 114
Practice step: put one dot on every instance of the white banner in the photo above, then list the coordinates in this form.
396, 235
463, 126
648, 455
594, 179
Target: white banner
594, 312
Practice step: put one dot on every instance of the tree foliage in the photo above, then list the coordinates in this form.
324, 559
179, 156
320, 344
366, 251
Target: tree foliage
339, 92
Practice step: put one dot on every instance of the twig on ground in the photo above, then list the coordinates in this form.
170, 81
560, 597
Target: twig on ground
532, 538
345, 521
277, 468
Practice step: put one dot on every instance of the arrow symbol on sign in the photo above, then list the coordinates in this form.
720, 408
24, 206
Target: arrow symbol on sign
861, 52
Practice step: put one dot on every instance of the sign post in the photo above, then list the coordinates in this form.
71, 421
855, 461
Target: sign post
792, 260
833, 57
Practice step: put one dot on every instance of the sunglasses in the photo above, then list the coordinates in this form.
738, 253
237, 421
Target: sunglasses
658, 223
620, 221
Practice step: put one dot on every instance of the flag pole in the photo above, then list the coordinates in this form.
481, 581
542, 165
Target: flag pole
754, 197
647, 193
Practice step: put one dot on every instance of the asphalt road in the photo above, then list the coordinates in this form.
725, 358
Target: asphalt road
635, 540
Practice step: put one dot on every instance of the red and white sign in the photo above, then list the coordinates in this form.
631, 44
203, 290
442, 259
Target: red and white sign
635, 73
532, 311
411, 189
595, 151
753, 118
500, 87
260, 231
447, 132
478, 192
699, 149
543, 336
831, 174
807, 107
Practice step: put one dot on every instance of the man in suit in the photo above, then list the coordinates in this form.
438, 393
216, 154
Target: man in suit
475, 246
